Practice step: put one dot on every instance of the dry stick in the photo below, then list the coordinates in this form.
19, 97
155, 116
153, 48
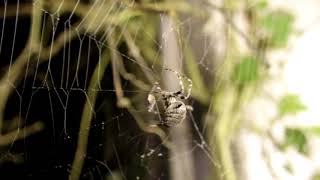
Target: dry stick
87, 116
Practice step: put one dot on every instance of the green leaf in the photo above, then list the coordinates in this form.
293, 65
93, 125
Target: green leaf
246, 72
297, 139
277, 25
261, 4
313, 131
290, 104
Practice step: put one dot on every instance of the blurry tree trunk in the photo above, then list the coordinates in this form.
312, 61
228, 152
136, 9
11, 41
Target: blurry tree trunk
181, 162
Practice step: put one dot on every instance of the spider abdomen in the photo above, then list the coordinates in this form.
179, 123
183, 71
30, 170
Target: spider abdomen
172, 109
174, 113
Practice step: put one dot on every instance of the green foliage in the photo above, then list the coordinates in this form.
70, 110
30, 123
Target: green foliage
277, 26
288, 167
246, 72
316, 176
261, 4
124, 16
179, 6
290, 104
313, 131
296, 138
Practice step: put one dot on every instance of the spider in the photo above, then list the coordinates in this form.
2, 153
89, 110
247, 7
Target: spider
173, 108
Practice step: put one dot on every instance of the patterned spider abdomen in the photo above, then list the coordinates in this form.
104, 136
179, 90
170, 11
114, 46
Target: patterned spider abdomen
172, 110
174, 113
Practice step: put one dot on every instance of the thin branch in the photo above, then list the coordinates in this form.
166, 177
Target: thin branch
228, 19
24, 9
151, 129
18, 134
82, 9
87, 115
230, 22
115, 58
59, 43
17, 68
135, 52
131, 77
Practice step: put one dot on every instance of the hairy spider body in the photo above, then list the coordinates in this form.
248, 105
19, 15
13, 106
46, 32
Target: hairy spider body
174, 109
174, 112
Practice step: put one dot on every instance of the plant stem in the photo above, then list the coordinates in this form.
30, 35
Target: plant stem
87, 116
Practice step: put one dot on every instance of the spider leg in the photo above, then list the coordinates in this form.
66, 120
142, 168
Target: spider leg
153, 107
152, 103
189, 87
156, 88
181, 91
190, 108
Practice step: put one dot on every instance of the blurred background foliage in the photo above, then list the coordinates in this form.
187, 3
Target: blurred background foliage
95, 123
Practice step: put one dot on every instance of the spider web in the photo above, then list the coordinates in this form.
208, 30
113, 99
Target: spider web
52, 86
